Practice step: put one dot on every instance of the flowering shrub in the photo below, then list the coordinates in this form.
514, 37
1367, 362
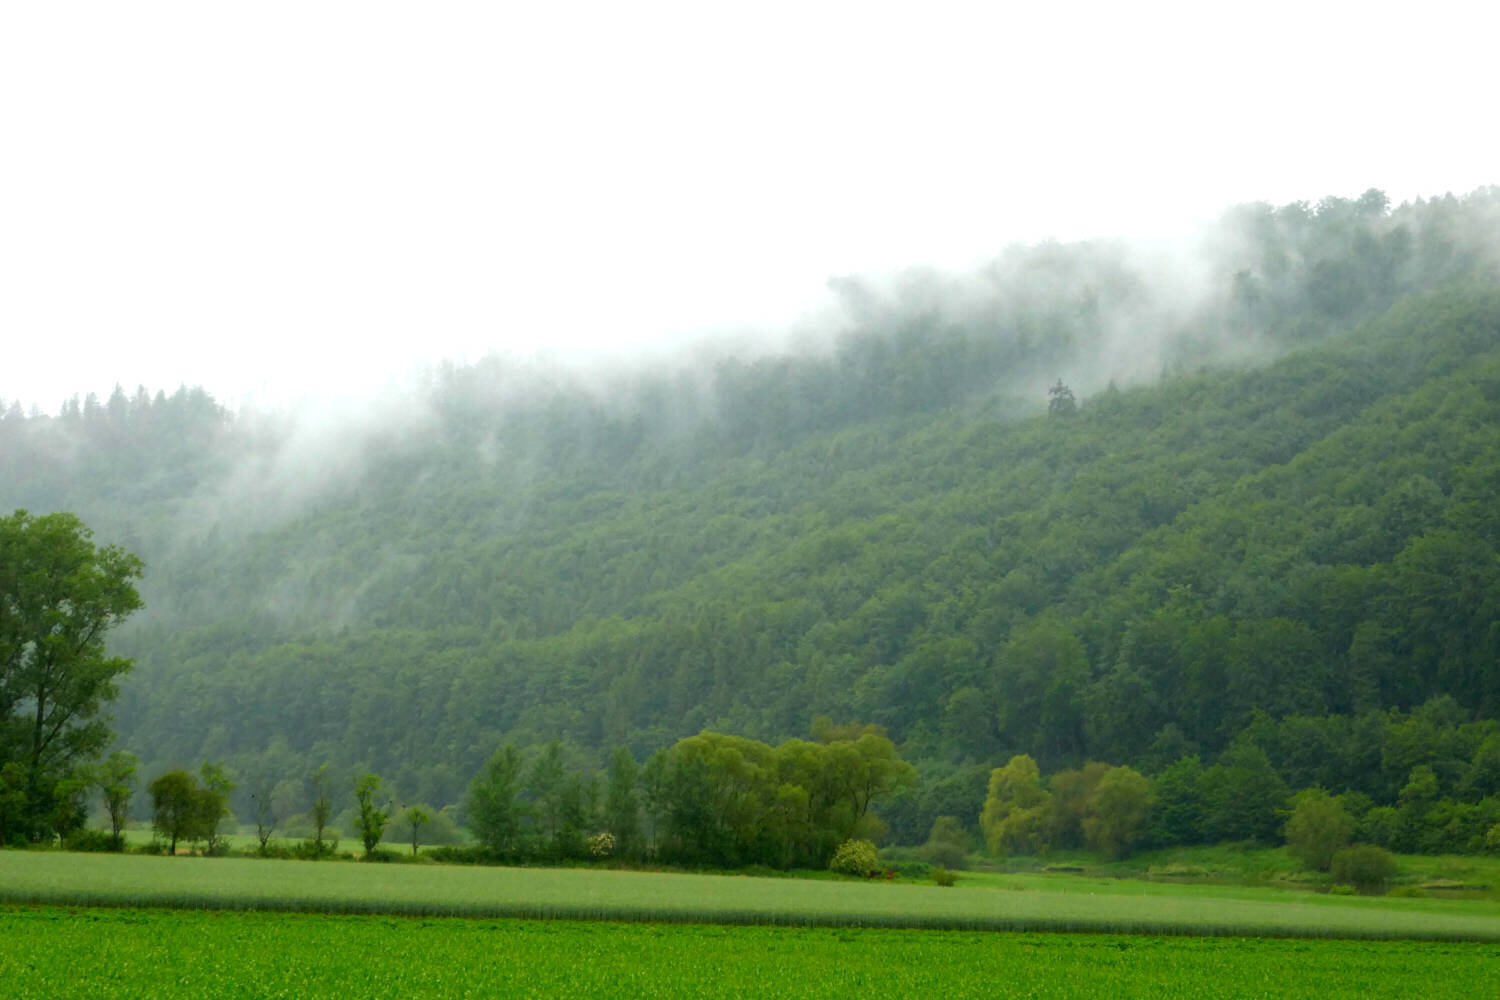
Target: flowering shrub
855, 857
602, 845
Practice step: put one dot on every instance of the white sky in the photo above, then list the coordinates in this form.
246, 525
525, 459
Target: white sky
279, 198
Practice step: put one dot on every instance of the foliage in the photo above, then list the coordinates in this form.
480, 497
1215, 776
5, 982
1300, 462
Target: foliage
91, 841
602, 845
322, 811
1117, 806
944, 877
1318, 829
212, 806
175, 810
409, 823
730, 801
947, 843
59, 596
116, 781
622, 806
272, 802
855, 857
1015, 809
495, 813
1061, 401
1364, 866
1299, 545
372, 819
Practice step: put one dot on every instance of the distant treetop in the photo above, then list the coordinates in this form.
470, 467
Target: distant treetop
1060, 400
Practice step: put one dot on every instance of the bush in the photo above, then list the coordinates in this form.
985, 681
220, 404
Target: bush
855, 857
944, 877
92, 841
910, 869
1364, 866
218, 847
450, 854
947, 845
1318, 829
602, 845
311, 850
1341, 889
945, 855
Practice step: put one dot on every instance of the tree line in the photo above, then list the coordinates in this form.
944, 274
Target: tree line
710, 799
880, 533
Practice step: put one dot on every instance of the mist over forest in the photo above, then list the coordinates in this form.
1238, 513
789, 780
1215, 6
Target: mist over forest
1090, 501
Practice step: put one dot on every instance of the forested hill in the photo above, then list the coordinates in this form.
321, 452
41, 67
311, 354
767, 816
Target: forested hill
1283, 508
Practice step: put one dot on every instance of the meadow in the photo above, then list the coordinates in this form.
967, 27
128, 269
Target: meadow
122, 954
990, 902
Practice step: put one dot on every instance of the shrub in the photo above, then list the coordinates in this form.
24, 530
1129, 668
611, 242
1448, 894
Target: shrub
944, 877
1318, 829
911, 869
947, 845
216, 847
1341, 889
602, 845
855, 857
1379, 826
1365, 866
313, 850
453, 854
92, 841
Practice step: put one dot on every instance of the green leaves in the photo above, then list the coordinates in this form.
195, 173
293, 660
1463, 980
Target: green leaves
59, 596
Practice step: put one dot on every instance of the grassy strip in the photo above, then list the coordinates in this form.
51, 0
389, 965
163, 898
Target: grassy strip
241, 884
124, 954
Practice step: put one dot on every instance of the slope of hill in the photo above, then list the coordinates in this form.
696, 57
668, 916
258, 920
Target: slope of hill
888, 530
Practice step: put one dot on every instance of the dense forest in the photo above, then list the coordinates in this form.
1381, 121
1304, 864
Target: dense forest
1254, 520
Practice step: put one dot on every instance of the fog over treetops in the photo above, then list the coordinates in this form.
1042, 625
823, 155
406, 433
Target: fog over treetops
1280, 432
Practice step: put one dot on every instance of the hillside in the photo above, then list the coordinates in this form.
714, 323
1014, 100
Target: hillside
1273, 502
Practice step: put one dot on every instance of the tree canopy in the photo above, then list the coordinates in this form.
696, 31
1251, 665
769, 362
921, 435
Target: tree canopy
60, 594
1266, 544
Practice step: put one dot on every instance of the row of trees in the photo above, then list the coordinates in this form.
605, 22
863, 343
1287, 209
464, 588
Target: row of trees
1307, 539
188, 808
1241, 797
710, 799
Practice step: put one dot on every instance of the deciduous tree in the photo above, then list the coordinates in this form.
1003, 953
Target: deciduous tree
116, 780
1117, 811
372, 819
175, 811
1015, 810
60, 594
495, 811
1318, 829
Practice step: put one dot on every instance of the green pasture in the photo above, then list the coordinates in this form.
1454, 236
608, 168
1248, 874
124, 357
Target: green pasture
991, 903
121, 954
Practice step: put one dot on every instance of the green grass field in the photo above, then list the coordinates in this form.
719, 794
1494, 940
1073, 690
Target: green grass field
992, 902
120, 954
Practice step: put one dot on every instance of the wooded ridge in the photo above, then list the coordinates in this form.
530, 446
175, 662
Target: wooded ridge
1276, 526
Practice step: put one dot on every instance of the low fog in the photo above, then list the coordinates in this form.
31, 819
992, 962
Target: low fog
1259, 281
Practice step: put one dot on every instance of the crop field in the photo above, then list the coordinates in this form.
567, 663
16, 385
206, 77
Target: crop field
1099, 905
119, 954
